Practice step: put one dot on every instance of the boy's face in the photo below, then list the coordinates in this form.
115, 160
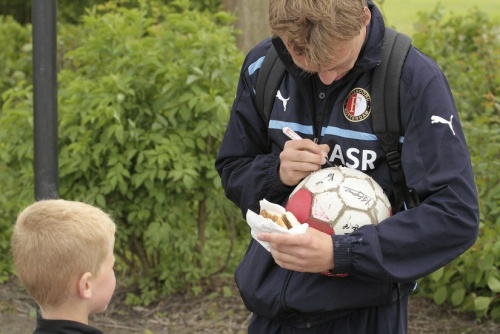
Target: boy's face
104, 284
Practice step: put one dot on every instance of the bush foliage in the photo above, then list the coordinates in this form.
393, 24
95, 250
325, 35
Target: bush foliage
468, 48
143, 101
70, 11
15, 53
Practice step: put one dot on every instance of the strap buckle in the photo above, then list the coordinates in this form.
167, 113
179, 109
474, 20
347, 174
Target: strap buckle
393, 160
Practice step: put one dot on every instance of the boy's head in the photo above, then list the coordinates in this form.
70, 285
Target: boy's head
62, 248
318, 30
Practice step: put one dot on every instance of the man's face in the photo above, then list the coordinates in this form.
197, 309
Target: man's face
345, 57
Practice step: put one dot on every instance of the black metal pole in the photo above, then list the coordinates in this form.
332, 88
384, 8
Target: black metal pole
44, 18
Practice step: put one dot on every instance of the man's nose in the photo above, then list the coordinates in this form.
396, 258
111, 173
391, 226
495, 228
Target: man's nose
327, 77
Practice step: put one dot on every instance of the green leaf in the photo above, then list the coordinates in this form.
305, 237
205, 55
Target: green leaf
440, 295
100, 200
436, 276
457, 297
494, 284
191, 79
488, 262
482, 303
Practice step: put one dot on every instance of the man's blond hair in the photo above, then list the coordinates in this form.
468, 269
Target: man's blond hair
55, 242
312, 28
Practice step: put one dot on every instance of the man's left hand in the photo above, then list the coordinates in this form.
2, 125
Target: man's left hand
309, 252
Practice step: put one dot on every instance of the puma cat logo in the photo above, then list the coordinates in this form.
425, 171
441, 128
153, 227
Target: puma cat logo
437, 119
282, 99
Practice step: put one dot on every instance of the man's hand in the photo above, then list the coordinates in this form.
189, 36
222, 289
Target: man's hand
300, 158
310, 252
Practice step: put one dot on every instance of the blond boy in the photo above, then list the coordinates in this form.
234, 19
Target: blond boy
63, 254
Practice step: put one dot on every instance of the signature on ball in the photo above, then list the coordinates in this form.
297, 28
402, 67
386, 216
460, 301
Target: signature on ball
360, 195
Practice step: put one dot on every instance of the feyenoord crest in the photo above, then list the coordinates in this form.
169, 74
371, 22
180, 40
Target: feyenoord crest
357, 105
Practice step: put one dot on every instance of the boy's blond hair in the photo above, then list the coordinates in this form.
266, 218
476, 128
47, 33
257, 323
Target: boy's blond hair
55, 242
312, 28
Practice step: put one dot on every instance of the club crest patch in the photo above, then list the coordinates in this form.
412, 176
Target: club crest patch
357, 105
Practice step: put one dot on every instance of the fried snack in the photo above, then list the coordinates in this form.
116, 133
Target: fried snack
286, 220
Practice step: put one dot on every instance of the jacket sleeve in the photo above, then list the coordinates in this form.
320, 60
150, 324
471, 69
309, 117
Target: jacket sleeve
436, 162
248, 169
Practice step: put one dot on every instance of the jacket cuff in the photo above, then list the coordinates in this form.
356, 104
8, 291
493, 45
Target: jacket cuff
342, 254
277, 190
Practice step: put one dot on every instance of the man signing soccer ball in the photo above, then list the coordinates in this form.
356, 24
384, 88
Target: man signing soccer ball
330, 49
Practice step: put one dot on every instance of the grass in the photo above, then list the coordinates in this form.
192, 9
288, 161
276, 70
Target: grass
402, 14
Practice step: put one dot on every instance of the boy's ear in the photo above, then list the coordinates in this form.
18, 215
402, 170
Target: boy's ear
84, 286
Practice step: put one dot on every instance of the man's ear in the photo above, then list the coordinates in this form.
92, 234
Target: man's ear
368, 16
84, 286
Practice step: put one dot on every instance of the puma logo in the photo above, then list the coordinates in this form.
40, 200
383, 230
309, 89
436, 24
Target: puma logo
282, 99
437, 119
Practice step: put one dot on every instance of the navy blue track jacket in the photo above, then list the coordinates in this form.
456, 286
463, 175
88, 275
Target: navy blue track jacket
382, 260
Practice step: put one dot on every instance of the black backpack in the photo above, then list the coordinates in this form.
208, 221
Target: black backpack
386, 125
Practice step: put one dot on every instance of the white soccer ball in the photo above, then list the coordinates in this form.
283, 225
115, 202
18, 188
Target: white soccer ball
338, 200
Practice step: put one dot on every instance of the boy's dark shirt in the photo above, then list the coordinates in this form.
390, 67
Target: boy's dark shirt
44, 326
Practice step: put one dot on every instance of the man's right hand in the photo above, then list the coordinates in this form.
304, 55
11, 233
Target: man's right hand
300, 158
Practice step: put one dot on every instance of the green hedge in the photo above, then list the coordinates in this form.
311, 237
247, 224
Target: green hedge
70, 11
144, 96
467, 48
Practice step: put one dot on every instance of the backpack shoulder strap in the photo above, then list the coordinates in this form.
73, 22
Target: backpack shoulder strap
270, 75
386, 119
385, 83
